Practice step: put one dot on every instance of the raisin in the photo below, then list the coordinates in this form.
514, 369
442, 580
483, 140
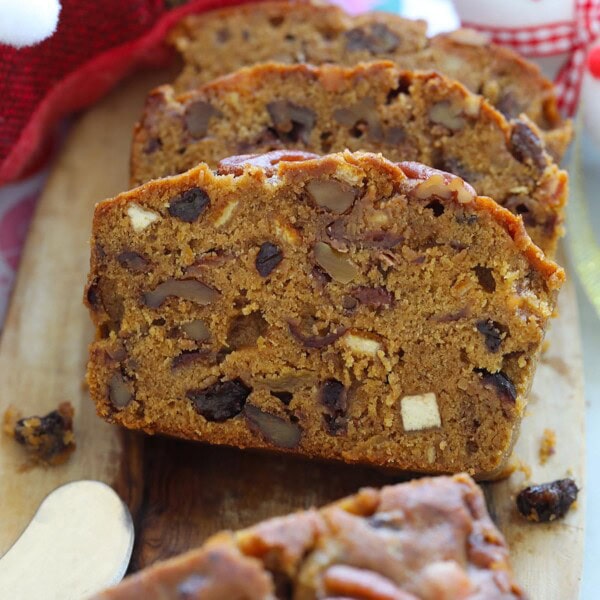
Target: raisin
152, 145
500, 382
92, 295
197, 116
221, 401
373, 296
437, 207
485, 277
189, 205
285, 397
333, 397
493, 333
49, 439
547, 501
133, 261
189, 357
526, 146
314, 341
268, 257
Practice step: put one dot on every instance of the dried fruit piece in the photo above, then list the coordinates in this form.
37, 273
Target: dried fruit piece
292, 122
188, 289
274, 429
196, 330
437, 207
360, 344
547, 501
335, 263
332, 194
377, 38
133, 261
420, 412
189, 205
485, 276
221, 401
189, 357
314, 341
370, 296
119, 391
334, 398
500, 383
493, 332
526, 146
446, 114
268, 257
48, 439
140, 218
285, 397
197, 116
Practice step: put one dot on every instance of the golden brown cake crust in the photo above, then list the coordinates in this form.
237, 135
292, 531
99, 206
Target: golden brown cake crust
222, 41
412, 541
374, 107
341, 307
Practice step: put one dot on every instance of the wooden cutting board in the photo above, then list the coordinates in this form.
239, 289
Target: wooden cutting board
179, 492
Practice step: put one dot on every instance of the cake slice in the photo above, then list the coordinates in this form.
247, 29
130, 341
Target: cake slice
376, 107
423, 540
341, 307
222, 41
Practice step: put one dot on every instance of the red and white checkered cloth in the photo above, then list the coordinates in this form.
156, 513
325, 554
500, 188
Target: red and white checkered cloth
572, 37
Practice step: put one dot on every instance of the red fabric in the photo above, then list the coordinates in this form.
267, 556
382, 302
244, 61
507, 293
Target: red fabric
96, 44
555, 38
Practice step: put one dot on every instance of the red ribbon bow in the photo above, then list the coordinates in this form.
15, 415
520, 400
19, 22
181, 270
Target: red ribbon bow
551, 39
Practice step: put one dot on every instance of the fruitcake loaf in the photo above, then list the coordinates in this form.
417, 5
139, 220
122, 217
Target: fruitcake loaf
341, 307
406, 115
429, 539
222, 41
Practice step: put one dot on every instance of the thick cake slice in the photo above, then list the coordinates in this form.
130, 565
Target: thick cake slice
341, 307
406, 115
424, 540
222, 41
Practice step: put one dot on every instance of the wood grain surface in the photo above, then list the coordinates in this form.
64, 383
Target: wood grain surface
180, 492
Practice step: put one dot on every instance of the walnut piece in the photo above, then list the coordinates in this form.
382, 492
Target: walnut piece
274, 429
331, 194
446, 114
188, 289
196, 330
335, 263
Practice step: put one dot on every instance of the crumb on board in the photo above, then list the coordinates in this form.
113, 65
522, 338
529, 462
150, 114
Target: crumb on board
545, 346
547, 445
49, 440
524, 468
